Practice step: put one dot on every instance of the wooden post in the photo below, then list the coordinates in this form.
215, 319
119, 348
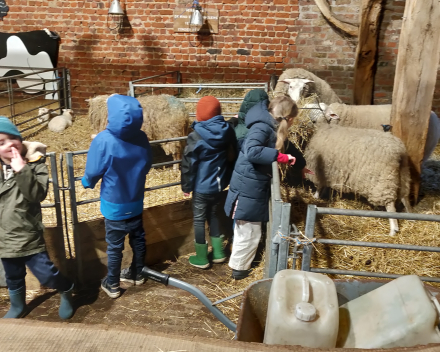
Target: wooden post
366, 50
416, 75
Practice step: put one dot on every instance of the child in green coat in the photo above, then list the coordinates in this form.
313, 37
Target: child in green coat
24, 182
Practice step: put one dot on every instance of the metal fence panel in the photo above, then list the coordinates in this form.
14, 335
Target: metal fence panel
312, 212
22, 95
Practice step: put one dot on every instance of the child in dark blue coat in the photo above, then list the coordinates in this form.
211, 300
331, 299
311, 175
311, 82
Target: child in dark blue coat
121, 156
249, 191
206, 170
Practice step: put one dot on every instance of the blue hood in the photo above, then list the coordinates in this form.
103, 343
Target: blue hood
125, 116
213, 131
259, 113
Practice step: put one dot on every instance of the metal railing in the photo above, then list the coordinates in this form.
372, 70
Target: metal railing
279, 230
25, 93
313, 211
135, 86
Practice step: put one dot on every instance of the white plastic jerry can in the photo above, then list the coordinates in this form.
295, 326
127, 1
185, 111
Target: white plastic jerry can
302, 310
401, 313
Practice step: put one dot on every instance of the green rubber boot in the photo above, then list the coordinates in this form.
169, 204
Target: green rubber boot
218, 253
200, 260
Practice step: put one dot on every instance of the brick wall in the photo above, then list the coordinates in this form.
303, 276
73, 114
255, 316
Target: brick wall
256, 38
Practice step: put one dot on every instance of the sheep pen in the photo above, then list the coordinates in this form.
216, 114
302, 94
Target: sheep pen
367, 229
219, 284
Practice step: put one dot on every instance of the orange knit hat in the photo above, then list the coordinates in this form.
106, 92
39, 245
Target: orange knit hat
207, 108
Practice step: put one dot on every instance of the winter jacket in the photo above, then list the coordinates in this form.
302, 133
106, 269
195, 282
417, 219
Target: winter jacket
120, 156
21, 225
251, 98
250, 182
209, 157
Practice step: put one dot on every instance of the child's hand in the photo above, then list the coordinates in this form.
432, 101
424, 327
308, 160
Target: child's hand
286, 159
17, 162
186, 194
292, 159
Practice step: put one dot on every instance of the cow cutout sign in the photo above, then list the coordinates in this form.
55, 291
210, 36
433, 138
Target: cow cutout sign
3, 9
29, 52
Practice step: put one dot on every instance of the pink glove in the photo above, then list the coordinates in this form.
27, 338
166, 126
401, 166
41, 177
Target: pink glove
286, 159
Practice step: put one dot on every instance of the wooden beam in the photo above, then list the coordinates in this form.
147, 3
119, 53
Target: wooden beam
414, 83
327, 13
366, 51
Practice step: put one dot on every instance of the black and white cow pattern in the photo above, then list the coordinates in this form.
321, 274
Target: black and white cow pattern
3, 9
29, 52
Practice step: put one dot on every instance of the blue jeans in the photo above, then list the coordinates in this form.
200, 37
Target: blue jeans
116, 230
205, 209
40, 265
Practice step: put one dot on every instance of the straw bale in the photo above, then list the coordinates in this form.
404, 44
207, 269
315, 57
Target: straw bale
98, 112
164, 117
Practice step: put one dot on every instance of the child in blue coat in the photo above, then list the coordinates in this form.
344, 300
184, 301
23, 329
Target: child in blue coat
249, 191
121, 156
207, 165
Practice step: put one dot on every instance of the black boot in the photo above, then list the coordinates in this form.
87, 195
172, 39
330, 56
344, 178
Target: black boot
18, 303
240, 274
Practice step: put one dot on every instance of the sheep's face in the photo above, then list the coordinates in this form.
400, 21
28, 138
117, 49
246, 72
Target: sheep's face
68, 112
296, 87
321, 113
44, 114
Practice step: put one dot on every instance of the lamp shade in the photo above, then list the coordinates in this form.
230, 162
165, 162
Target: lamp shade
115, 8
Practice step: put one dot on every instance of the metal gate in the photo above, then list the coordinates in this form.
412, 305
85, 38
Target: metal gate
22, 95
285, 240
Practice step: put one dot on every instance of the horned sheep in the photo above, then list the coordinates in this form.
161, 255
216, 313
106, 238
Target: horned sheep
61, 122
375, 117
164, 117
370, 163
297, 82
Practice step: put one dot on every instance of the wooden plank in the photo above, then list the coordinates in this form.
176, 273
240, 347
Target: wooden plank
182, 17
415, 79
366, 58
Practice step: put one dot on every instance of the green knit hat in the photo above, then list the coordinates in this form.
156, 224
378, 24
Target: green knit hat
6, 126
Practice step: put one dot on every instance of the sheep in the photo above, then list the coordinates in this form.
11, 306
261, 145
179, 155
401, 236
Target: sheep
61, 122
297, 82
376, 116
44, 114
370, 163
164, 117
319, 112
